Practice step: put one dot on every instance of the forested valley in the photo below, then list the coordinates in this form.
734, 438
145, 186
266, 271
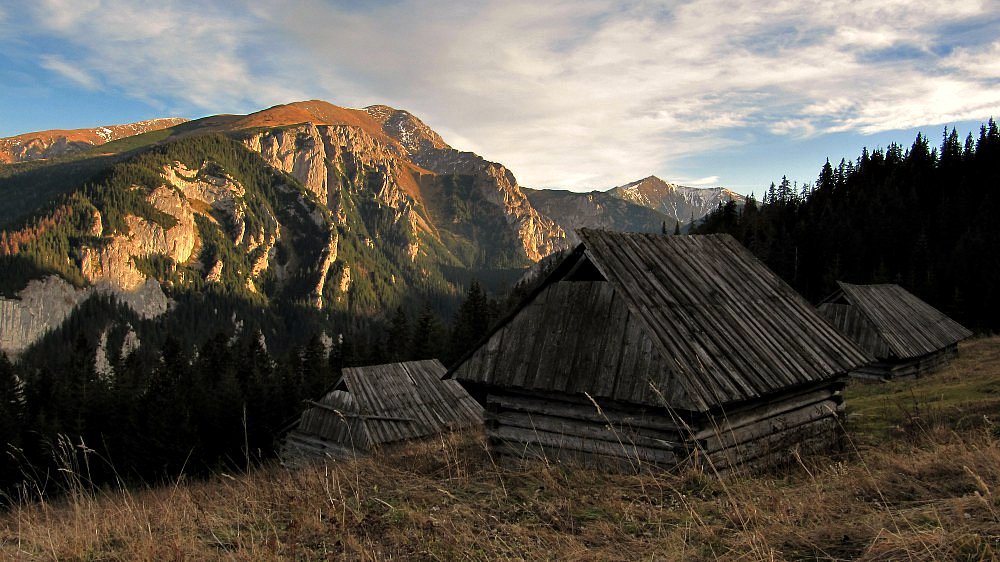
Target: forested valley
190, 403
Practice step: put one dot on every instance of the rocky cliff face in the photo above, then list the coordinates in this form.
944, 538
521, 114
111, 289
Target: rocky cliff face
46, 303
393, 156
325, 158
676, 201
49, 144
113, 262
539, 235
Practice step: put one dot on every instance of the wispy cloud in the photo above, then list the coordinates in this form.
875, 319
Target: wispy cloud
575, 93
76, 74
699, 182
210, 57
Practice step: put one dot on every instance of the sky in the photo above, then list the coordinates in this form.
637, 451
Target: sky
579, 94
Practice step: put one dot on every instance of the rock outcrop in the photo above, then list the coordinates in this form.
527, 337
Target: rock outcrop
538, 234
45, 304
42, 306
113, 262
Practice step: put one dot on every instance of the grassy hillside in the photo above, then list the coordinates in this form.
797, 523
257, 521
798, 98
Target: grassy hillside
917, 481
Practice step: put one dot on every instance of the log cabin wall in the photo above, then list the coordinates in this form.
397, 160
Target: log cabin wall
553, 426
907, 368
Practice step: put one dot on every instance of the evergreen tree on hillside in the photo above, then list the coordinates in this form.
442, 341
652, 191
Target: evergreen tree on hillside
428, 336
472, 321
164, 417
314, 369
398, 336
217, 407
11, 421
922, 217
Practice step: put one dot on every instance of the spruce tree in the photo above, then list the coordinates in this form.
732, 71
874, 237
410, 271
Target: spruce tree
314, 369
471, 321
428, 335
398, 336
11, 421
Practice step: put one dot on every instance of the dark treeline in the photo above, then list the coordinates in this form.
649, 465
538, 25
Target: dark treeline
924, 217
88, 404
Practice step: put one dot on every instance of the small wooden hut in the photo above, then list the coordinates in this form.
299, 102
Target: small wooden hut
379, 405
643, 348
906, 335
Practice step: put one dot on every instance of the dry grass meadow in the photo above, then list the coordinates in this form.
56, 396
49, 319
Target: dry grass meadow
919, 480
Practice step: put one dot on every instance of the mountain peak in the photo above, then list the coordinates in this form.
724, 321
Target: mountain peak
388, 124
650, 182
676, 201
317, 112
405, 127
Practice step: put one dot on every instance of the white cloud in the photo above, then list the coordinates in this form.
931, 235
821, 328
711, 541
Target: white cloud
707, 180
574, 93
73, 73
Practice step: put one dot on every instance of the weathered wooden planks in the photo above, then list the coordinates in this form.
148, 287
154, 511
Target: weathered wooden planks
547, 439
383, 404
689, 322
855, 325
906, 368
896, 324
567, 427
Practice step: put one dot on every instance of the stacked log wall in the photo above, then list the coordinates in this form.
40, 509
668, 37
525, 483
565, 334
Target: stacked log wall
759, 433
907, 368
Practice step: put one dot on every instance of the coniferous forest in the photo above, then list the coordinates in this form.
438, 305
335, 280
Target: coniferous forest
924, 217
187, 403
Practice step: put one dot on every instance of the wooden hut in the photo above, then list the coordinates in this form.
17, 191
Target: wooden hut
643, 348
379, 405
906, 335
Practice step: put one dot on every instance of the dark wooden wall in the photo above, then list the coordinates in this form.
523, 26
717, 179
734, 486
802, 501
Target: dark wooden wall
560, 427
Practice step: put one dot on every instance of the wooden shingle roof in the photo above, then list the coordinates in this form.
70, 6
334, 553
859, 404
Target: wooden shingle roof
381, 404
707, 323
907, 326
